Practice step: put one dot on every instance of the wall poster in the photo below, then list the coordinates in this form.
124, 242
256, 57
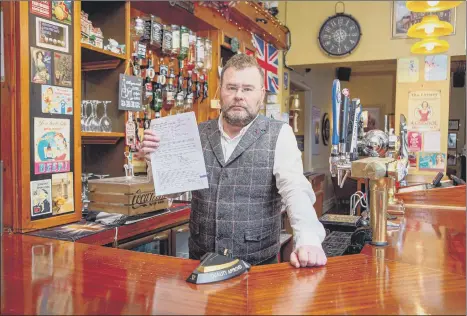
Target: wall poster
62, 193
51, 145
52, 35
436, 67
40, 8
408, 70
41, 197
415, 141
432, 161
41, 66
57, 100
424, 110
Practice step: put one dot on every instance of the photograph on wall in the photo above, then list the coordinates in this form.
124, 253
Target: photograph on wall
41, 66
408, 70
57, 100
415, 141
370, 118
452, 140
62, 193
62, 11
412, 159
51, 145
41, 197
436, 67
403, 19
453, 125
2, 49
63, 69
452, 160
424, 110
40, 8
52, 35
432, 161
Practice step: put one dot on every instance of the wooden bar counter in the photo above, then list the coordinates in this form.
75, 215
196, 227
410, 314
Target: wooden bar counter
422, 271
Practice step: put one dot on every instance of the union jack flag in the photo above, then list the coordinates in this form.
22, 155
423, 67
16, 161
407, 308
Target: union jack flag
268, 59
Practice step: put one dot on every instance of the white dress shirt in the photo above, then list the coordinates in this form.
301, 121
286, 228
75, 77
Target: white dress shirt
295, 190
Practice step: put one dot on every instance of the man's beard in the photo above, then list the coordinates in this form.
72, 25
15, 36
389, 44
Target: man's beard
239, 119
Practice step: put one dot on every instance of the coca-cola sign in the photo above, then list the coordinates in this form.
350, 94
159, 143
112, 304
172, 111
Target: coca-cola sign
145, 199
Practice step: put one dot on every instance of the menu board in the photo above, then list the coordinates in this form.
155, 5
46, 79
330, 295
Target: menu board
130, 93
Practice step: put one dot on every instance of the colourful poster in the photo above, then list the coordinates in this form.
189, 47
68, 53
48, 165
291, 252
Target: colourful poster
41, 8
62, 193
436, 67
51, 145
407, 70
41, 197
432, 161
57, 100
52, 35
41, 66
63, 69
62, 11
424, 110
415, 141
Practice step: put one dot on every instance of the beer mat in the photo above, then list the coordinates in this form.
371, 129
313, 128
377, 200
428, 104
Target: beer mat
71, 232
336, 243
338, 219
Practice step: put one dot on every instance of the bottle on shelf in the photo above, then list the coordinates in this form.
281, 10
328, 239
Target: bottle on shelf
175, 52
184, 43
191, 58
156, 33
199, 54
167, 40
207, 55
168, 94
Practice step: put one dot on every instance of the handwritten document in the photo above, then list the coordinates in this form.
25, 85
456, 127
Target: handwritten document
178, 164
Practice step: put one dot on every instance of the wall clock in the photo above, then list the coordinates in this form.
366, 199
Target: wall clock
339, 35
325, 129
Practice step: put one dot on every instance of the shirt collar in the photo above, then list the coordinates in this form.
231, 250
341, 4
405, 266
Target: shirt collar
242, 131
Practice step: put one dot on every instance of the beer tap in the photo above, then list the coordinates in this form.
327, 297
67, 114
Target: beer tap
205, 90
336, 103
355, 127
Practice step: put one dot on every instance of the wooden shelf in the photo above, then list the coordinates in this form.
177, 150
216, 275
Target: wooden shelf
100, 65
88, 138
90, 53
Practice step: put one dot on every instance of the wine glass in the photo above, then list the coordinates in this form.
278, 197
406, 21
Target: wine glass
84, 104
89, 118
105, 123
94, 123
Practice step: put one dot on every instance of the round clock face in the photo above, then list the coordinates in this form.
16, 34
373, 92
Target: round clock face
339, 35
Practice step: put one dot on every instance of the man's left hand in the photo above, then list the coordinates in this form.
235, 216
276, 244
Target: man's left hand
308, 256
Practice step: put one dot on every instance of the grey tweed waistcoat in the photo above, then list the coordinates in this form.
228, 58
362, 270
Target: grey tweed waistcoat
240, 211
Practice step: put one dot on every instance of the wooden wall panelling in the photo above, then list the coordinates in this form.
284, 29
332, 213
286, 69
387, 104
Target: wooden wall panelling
8, 114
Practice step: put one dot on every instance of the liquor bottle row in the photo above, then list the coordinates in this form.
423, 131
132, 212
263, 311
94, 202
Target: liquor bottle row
175, 41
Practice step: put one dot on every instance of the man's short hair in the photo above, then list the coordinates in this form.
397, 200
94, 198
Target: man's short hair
240, 62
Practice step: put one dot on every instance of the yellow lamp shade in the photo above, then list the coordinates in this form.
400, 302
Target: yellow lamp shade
430, 26
431, 6
429, 46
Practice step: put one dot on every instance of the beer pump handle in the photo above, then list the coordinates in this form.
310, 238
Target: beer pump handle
344, 122
349, 128
336, 106
354, 141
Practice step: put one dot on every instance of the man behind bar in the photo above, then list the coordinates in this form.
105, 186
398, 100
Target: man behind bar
254, 167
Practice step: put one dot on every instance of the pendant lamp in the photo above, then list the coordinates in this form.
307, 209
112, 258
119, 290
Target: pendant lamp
430, 26
428, 46
431, 6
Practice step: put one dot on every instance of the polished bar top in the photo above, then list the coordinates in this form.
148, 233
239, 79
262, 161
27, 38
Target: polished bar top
44, 276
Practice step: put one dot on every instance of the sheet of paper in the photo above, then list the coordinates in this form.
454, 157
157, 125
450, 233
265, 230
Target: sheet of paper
407, 70
178, 164
432, 141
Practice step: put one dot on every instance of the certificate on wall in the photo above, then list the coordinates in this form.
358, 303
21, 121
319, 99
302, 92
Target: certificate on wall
424, 110
408, 70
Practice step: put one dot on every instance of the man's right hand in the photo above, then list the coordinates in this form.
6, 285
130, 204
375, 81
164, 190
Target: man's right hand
150, 142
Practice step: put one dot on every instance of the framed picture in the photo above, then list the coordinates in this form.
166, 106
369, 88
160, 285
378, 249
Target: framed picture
371, 118
452, 160
402, 19
452, 141
453, 125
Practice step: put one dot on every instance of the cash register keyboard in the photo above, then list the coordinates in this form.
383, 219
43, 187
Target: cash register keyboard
336, 243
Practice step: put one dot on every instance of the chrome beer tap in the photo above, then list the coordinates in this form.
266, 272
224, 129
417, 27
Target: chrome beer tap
336, 104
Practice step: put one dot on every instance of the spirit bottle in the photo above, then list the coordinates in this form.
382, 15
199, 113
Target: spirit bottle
207, 55
167, 40
175, 41
185, 42
199, 53
191, 58
168, 94
156, 33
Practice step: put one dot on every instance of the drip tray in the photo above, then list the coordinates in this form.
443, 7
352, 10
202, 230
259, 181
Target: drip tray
336, 243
